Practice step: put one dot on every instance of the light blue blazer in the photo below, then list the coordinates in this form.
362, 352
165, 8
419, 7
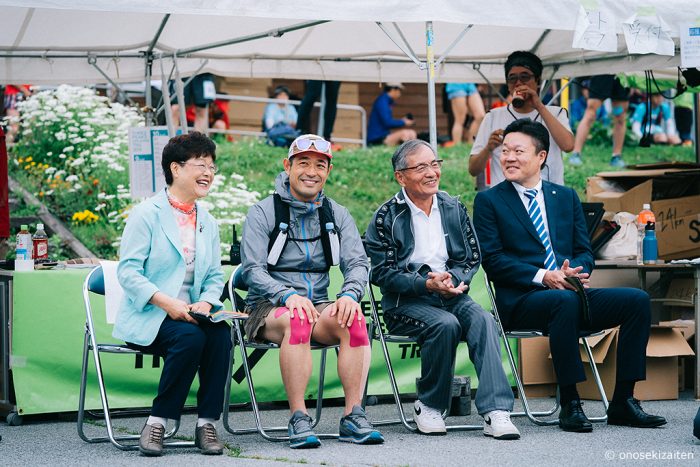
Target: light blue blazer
151, 260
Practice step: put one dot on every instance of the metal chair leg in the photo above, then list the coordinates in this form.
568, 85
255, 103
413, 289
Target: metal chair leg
111, 437
531, 415
598, 382
259, 428
408, 423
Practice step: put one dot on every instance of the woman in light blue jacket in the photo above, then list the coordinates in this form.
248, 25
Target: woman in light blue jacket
170, 268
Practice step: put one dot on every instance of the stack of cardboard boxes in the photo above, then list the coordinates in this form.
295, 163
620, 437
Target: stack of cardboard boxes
666, 343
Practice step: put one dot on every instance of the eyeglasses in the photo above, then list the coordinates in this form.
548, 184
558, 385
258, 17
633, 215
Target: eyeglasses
421, 168
202, 168
522, 77
303, 144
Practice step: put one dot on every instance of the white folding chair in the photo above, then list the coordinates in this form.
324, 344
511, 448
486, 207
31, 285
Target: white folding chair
94, 284
235, 285
535, 416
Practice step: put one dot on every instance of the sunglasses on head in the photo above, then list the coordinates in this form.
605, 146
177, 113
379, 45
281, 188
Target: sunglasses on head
303, 144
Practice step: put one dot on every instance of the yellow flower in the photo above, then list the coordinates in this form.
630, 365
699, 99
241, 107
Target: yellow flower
20, 160
28, 159
86, 216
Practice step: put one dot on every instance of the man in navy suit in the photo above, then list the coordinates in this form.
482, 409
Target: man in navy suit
533, 236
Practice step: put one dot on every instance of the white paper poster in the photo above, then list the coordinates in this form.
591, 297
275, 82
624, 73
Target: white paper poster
648, 34
690, 45
145, 154
595, 30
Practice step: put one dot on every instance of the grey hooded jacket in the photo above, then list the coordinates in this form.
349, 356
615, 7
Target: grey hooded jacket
390, 243
277, 286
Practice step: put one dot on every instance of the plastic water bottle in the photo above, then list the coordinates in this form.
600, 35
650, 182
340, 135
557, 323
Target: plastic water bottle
41, 244
644, 216
23, 247
650, 244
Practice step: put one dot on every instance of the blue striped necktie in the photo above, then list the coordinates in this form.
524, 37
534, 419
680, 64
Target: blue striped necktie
533, 209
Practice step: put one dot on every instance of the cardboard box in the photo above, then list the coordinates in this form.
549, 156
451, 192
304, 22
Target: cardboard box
536, 370
686, 364
678, 227
665, 345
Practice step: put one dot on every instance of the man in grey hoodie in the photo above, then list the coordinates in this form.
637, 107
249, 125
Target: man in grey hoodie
290, 241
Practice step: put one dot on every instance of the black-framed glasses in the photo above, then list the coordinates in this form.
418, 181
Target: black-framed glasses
421, 168
201, 167
522, 77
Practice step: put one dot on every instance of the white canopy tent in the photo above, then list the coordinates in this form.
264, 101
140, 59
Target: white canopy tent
89, 41
49, 41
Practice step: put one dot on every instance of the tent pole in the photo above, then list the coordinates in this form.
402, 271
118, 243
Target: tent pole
404, 47
493, 88
430, 61
93, 61
180, 92
165, 89
322, 111
277, 32
149, 97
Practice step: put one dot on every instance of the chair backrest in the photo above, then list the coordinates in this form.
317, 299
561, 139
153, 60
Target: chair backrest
96, 281
102, 280
235, 282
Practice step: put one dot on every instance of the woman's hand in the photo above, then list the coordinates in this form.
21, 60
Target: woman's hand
176, 309
201, 307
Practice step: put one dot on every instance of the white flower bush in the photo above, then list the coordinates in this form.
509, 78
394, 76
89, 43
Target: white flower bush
73, 154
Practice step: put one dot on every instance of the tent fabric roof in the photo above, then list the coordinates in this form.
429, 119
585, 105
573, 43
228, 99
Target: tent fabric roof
48, 41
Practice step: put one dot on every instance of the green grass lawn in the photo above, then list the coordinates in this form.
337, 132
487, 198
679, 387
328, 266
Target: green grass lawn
362, 179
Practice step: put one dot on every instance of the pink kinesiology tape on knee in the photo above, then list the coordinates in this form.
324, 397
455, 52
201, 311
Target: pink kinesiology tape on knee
358, 333
300, 329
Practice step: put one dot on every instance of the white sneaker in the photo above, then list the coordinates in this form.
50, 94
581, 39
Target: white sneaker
497, 424
429, 420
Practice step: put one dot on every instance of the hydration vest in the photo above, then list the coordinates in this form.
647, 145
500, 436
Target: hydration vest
279, 237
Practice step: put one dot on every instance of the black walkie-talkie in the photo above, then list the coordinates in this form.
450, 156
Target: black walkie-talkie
235, 252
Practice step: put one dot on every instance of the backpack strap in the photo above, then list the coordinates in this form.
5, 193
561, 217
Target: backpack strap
330, 234
279, 235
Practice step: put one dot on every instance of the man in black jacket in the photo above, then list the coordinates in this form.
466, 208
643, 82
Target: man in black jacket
424, 253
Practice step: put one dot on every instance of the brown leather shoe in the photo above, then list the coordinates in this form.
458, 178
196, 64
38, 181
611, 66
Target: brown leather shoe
151, 441
205, 438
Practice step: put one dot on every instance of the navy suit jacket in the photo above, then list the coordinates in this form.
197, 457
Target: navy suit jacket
511, 250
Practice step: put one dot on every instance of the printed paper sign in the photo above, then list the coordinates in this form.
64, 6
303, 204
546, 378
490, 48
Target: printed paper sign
648, 34
595, 30
145, 154
690, 45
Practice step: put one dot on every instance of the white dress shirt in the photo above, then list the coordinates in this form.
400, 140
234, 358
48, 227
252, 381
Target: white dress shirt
429, 246
540, 200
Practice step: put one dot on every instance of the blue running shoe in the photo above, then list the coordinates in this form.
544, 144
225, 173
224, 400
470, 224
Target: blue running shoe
301, 435
616, 161
355, 428
575, 159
